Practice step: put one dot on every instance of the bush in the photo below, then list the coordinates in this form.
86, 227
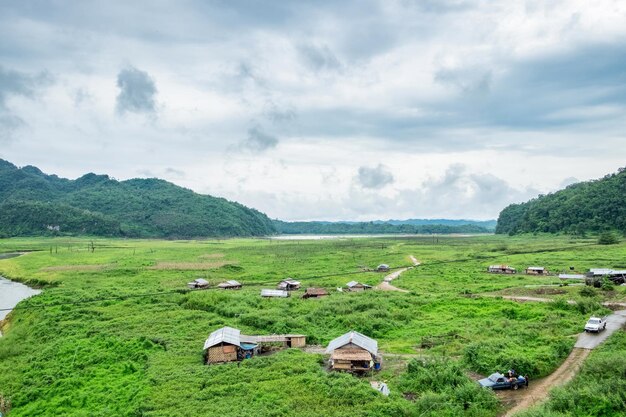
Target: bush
608, 238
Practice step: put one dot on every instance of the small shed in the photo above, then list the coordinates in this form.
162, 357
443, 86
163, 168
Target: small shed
536, 270
230, 285
224, 345
288, 284
501, 269
315, 293
382, 268
353, 352
571, 276
595, 276
198, 283
355, 286
274, 293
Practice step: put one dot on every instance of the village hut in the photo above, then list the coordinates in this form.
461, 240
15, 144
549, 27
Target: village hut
595, 276
288, 284
382, 268
225, 345
230, 285
355, 286
536, 270
274, 293
198, 283
501, 269
315, 293
353, 352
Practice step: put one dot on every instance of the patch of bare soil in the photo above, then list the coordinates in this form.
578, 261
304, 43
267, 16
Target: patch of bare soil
189, 266
212, 256
386, 286
538, 391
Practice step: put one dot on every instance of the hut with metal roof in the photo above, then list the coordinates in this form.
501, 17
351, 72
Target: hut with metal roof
198, 283
355, 286
225, 345
353, 352
288, 284
315, 293
274, 293
536, 270
382, 268
230, 285
501, 269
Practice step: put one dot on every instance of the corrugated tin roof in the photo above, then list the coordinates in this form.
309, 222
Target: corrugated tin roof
226, 335
351, 284
383, 266
571, 276
316, 291
231, 283
274, 293
606, 271
536, 268
355, 338
291, 281
201, 281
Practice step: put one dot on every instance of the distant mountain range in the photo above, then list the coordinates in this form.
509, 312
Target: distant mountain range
591, 206
33, 203
411, 226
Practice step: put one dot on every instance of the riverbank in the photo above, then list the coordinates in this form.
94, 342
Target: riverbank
11, 292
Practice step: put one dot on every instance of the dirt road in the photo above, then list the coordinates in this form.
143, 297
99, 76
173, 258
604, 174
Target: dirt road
538, 390
386, 286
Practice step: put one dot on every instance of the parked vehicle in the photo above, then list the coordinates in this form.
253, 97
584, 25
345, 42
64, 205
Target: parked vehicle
499, 381
595, 324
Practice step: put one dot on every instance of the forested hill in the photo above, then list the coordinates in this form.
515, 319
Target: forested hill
330, 228
587, 206
33, 203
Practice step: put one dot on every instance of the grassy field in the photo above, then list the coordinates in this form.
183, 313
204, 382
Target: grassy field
112, 335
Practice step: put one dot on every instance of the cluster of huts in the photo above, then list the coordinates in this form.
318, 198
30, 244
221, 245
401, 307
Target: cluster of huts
285, 287
593, 277
351, 352
201, 283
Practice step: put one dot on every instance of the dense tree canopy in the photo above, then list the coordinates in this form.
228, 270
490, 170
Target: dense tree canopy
587, 206
96, 204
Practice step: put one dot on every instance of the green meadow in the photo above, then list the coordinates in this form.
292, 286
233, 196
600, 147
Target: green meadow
116, 333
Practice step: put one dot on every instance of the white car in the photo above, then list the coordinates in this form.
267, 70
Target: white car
595, 324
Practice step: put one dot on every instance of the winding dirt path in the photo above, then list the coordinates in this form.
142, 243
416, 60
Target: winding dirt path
386, 286
538, 390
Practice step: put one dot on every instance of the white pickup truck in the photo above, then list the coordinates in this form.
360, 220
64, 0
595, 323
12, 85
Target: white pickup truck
595, 324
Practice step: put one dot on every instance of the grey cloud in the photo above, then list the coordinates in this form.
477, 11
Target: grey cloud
568, 181
375, 178
174, 172
12, 84
259, 141
466, 80
318, 58
137, 92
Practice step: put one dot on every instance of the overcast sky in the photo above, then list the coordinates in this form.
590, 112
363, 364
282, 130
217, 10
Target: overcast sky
321, 110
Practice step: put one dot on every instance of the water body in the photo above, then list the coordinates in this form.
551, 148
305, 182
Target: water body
11, 292
320, 237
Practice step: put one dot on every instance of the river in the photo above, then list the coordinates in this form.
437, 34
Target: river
11, 292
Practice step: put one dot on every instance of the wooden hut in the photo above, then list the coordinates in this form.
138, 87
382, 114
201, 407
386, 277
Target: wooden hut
536, 270
198, 283
501, 269
382, 268
355, 286
315, 293
230, 285
353, 352
288, 284
225, 345
274, 293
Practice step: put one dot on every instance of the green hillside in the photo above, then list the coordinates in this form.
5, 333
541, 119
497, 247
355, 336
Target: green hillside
584, 207
330, 228
98, 205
